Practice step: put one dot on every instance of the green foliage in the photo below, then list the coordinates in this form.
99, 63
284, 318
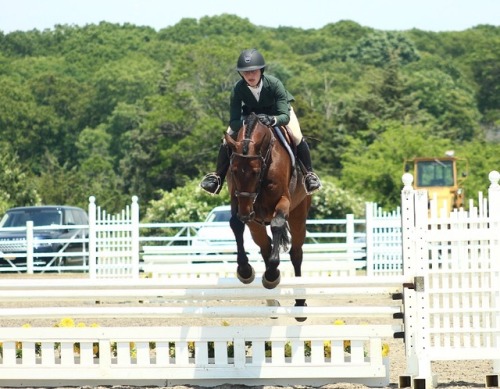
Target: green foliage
16, 185
380, 48
188, 203
376, 170
334, 202
479, 168
120, 110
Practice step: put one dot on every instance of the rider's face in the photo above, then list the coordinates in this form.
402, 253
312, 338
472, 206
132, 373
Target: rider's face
252, 77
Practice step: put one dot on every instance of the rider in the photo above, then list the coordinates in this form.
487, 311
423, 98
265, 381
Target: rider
266, 96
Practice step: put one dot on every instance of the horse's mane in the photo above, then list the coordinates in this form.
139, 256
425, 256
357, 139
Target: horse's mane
250, 125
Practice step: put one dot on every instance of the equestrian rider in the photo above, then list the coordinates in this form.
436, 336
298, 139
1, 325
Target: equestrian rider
266, 96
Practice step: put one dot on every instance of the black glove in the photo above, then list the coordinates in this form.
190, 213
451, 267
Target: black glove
267, 120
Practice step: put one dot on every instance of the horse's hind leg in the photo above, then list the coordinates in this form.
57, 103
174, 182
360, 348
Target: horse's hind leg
245, 271
298, 233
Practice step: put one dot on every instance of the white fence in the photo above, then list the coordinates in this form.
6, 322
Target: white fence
451, 310
384, 252
263, 353
456, 304
120, 246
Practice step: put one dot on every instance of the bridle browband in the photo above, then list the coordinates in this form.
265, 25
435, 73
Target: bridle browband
264, 160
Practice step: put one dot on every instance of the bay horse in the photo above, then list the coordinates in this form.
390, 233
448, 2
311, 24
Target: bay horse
266, 189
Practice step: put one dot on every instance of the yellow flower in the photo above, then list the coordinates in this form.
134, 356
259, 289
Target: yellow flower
80, 324
191, 348
225, 323
385, 350
26, 325
339, 322
94, 325
66, 322
327, 346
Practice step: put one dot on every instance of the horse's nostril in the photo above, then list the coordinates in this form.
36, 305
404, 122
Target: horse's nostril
246, 218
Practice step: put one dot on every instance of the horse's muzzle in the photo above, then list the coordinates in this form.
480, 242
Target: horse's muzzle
246, 218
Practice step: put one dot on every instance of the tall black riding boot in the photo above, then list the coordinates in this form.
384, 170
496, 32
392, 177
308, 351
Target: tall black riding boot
212, 182
311, 180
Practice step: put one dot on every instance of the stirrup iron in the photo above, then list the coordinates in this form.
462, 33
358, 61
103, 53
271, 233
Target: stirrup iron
218, 182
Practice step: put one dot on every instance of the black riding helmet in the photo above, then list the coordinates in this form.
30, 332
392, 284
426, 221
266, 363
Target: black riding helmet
250, 60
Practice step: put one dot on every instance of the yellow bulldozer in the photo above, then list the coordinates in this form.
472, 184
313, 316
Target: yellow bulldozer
442, 177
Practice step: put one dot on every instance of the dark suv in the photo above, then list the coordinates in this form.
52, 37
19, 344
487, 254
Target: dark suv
13, 241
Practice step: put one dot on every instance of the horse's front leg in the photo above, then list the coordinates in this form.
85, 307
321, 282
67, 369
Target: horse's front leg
245, 271
272, 277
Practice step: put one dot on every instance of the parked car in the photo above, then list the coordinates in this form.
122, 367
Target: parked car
13, 239
217, 232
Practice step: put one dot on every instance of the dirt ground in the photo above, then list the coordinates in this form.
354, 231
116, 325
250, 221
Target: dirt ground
451, 374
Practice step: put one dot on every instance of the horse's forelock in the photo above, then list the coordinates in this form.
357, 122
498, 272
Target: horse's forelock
251, 122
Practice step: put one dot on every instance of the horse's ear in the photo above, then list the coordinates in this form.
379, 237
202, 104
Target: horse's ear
230, 141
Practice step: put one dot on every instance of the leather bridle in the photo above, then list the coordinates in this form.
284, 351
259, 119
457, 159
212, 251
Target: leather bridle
264, 163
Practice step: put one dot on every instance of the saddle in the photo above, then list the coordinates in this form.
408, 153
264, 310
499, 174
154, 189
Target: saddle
284, 134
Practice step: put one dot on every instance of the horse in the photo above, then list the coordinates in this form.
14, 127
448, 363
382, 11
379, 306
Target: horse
266, 189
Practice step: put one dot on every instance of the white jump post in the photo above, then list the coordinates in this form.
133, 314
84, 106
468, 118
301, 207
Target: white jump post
415, 265
494, 216
453, 311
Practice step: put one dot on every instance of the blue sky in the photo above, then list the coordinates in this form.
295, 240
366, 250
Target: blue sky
429, 15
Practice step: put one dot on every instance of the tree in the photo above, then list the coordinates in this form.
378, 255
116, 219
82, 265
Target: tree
375, 171
379, 48
451, 104
127, 80
16, 181
124, 110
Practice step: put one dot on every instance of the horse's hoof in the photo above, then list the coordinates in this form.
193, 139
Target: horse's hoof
247, 280
271, 284
301, 319
273, 303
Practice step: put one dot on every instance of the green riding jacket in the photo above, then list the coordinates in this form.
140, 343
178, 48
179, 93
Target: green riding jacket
274, 100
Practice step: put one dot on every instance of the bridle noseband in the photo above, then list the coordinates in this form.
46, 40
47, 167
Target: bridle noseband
264, 160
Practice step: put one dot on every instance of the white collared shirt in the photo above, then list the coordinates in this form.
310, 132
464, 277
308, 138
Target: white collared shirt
256, 91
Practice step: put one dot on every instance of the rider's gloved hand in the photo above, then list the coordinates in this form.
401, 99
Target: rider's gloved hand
267, 120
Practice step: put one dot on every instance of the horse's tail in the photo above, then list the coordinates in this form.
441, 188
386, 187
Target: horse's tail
285, 238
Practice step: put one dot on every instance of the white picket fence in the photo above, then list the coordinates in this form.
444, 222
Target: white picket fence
384, 251
264, 353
